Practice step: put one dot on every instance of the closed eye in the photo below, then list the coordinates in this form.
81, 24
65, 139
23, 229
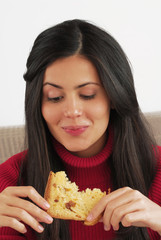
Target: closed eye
87, 97
55, 99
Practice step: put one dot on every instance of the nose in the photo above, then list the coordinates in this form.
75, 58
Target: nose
73, 108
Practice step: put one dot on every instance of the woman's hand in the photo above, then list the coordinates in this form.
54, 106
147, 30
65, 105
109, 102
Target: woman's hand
15, 211
129, 207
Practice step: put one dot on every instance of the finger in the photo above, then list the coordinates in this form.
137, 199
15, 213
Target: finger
18, 213
118, 207
121, 211
13, 223
101, 205
142, 219
31, 209
134, 219
29, 192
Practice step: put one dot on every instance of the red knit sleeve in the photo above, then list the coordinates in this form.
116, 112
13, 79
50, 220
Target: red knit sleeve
155, 192
9, 172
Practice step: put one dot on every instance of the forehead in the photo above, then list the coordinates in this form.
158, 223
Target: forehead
71, 68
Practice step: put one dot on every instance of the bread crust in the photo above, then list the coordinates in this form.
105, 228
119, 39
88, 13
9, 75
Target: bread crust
48, 186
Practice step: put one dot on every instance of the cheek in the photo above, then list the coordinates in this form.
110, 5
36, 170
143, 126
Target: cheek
100, 111
50, 115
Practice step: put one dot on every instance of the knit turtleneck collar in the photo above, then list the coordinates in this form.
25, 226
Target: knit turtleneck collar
88, 172
85, 162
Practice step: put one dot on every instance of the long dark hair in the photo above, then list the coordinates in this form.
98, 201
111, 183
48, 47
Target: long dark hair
133, 162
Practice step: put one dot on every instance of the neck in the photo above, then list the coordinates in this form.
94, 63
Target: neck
94, 149
87, 171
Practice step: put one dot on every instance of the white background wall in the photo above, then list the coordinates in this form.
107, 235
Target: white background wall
136, 24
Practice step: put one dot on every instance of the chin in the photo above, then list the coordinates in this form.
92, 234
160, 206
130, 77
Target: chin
76, 148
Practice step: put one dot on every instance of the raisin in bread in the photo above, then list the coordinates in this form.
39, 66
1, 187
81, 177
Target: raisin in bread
67, 202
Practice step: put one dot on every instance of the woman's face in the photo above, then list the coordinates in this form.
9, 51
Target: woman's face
75, 105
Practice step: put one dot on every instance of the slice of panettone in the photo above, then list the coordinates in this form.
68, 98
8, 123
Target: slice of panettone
67, 202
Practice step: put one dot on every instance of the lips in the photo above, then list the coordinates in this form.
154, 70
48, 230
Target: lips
75, 130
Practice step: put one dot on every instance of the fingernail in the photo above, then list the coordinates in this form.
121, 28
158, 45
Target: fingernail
115, 228
24, 230
89, 217
40, 228
46, 205
106, 228
49, 218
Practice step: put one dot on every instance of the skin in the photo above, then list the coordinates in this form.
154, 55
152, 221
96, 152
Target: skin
129, 207
13, 209
67, 105
77, 77
72, 96
124, 205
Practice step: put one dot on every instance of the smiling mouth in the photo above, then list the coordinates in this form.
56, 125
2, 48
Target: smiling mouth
75, 130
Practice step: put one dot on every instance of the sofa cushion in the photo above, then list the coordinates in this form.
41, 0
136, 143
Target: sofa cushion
11, 141
154, 120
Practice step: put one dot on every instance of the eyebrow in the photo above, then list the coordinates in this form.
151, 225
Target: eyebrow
79, 86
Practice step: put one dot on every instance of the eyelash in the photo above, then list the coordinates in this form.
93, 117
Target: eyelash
88, 97
85, 97
55, 100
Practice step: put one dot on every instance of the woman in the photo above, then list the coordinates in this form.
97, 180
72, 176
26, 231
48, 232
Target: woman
82, 116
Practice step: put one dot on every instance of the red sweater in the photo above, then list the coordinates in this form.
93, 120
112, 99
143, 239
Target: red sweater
86, 172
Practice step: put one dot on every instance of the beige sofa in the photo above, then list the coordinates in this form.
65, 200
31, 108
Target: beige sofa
12, 138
